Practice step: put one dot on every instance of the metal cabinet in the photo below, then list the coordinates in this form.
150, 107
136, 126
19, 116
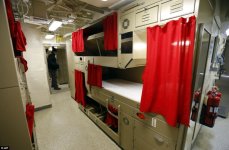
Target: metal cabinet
126, 131
127, 23
147, 139
175, 8
158, 124
146, 15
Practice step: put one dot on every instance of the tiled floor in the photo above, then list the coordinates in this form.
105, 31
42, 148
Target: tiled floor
65, 127
215, 138
64, 88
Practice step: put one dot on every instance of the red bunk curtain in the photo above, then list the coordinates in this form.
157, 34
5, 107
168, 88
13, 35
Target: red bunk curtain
167, 77
79, 85
30, 117
77, 41
20, 40
10, 16
94, 75
17, 35
24, 62
110, 28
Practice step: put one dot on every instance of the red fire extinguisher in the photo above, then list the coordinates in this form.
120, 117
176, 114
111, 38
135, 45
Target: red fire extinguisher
211, 110
197, 96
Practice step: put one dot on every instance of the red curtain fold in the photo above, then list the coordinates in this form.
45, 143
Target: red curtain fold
110, 120
10, 16
30, 117
167, 77
77, 41
20, 40
94, 75
110, 28
24, 62
79, 85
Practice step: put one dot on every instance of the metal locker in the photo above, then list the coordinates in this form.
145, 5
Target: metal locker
126, 131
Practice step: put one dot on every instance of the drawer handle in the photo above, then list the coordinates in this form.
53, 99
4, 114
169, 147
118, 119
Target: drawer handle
141, 116
126, 121
159, 139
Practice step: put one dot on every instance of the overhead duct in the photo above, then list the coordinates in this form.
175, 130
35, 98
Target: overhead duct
120, 4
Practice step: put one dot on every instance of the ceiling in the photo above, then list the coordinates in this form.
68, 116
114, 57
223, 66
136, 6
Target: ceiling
100, 3
73, 13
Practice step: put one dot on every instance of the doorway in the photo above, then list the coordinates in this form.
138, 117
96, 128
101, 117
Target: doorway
62, 71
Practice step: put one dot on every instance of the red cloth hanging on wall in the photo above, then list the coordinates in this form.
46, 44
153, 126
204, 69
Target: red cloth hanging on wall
110, 120
24, 62
94, 75
79, 85
30, 117
110, 28
20, 40
10, 16
77, 41
167, 77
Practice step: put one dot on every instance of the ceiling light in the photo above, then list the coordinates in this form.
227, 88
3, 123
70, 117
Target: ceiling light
70, 20
104, 0
55, 25
227, 32
49, 36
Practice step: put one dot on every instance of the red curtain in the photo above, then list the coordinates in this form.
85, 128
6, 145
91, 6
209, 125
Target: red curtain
77, 41
24, 62
110, 120
167, 76
94, 75
30, 117
10, 16
110, 28
20, 40
79, 85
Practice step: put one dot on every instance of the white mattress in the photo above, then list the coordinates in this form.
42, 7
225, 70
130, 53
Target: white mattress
130, 90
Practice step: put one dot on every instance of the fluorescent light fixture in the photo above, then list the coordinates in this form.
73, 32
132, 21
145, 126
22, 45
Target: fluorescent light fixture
227, 32
104, 0
49, 36
55, 25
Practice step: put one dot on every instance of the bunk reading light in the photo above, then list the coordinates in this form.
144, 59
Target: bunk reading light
49, 36
227, 32
55, 25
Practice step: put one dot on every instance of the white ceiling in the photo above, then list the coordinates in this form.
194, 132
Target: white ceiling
100, 3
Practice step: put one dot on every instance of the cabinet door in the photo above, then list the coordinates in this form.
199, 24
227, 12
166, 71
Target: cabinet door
126, 127
176, 8
146, 15
147, 139
13, 126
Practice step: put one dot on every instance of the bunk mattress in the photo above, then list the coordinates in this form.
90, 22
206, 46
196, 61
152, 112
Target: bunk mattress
128, 89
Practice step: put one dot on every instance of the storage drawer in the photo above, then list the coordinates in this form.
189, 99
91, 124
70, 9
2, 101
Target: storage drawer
176, 8
109, 131
147, 139
96, 96
146, 15
126, 131
99, 96
91, 115
158, 124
